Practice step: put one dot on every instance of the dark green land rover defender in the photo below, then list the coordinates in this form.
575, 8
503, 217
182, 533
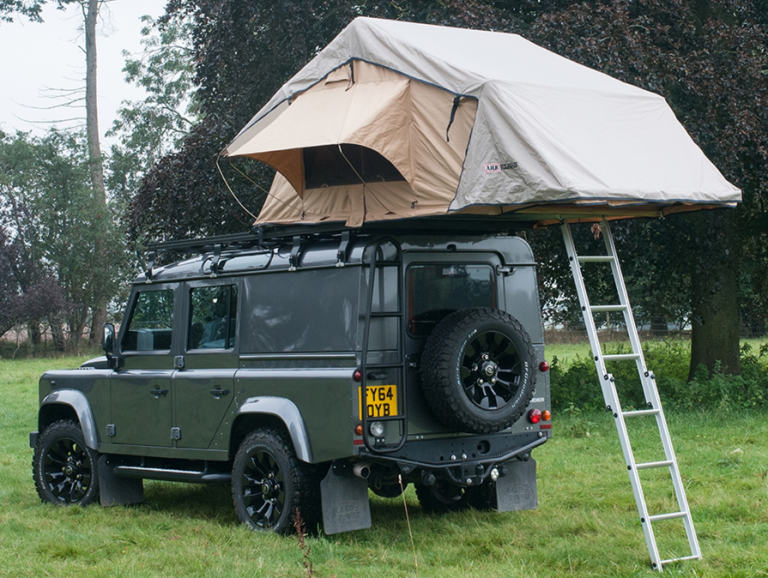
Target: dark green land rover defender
307, 366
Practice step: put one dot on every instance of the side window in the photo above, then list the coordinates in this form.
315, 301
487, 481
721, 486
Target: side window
151, 324
212, 317
436, 291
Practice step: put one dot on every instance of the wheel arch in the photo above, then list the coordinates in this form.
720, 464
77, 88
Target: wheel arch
274, 412
69, 404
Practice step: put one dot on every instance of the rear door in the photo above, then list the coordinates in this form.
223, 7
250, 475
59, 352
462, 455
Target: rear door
438, 284
203, 389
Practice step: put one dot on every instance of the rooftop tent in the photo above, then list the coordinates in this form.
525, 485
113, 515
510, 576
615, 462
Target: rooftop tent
396, 119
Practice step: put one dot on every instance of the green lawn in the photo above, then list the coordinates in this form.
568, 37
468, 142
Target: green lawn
586, 524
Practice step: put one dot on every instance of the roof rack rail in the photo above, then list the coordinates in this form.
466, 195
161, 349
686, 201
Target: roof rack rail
207, 243
268, 235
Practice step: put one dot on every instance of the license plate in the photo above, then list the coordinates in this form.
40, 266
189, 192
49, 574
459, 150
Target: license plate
381, 402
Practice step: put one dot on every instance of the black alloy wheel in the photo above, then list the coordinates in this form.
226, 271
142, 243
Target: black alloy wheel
64, 468
269, 483
491, 370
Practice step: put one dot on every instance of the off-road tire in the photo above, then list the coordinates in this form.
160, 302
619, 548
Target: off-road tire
453, 366
269, 483
64, 468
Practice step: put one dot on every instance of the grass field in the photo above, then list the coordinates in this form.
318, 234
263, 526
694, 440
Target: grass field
586, 524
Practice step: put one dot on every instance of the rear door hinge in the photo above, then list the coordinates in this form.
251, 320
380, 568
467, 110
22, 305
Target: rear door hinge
175, 433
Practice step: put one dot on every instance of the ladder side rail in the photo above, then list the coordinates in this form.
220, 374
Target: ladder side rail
589, 320
649, 388
677, 483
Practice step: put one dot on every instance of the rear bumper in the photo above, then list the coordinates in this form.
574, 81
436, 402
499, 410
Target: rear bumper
464, 460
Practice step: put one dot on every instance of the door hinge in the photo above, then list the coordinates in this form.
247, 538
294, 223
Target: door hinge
506, 271
110, 430
175, 433
178, 362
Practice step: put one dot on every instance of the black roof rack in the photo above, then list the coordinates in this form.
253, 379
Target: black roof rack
268, 235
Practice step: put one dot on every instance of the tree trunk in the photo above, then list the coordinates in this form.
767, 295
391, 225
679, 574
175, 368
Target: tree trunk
91, 13
715, 288
33, 328
59, 340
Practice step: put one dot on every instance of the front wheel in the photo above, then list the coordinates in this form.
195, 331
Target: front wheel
64, 468
269, 484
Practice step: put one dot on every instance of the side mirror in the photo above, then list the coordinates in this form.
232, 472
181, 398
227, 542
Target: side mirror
108, 339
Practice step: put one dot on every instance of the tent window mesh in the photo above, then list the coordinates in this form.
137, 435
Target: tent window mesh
325, 166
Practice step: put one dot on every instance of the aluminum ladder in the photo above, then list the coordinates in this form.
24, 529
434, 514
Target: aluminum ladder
612, 404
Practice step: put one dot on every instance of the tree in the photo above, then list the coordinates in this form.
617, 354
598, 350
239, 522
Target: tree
156, 126
90, 12
49, 219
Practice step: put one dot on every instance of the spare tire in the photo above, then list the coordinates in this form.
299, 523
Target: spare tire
477, 370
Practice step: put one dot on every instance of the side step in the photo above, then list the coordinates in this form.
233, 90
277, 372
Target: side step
171, 475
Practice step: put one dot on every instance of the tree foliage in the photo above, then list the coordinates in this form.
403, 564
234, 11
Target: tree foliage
49, 231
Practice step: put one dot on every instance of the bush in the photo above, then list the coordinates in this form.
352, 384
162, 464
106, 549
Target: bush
577, 385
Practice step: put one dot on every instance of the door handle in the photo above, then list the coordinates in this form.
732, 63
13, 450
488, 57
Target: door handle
157, 392
218, 392
377, 375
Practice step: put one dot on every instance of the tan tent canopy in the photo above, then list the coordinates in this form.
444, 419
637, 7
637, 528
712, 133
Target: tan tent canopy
396, 119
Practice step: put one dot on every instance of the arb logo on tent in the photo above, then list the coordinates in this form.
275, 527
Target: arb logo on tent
498, 167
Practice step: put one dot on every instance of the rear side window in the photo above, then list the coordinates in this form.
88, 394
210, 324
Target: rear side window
151, 324
302, 311
435, 291
212, 317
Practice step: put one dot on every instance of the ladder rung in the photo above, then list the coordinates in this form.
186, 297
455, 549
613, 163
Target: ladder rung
671, 516
621, 356
639, 412
596, 259
647, 465
607, 308
681, 558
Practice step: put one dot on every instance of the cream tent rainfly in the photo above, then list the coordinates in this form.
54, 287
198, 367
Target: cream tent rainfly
394, 120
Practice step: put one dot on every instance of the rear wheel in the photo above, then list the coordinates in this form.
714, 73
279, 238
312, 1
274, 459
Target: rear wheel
64, 468
442, 497
269, 484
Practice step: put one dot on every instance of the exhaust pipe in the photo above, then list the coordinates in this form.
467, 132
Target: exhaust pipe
362, 470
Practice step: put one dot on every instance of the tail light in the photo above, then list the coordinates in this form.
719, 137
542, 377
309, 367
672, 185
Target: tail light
534, 416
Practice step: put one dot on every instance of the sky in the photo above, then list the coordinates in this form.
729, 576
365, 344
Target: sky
36, 59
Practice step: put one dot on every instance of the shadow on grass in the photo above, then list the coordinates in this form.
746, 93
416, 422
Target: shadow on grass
210, 502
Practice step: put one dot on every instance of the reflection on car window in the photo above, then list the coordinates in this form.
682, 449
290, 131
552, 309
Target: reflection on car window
151, 324
436, 291
212, 318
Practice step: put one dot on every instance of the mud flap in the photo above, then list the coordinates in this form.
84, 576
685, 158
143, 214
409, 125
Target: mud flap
116, 490
517, 490
345, 502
